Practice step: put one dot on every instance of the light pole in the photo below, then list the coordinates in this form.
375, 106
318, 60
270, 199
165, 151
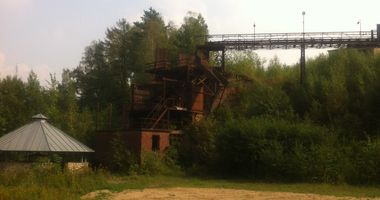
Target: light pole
360, 27
254, 33
302, 60
303, 24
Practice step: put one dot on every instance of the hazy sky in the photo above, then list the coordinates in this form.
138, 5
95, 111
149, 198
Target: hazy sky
49, 35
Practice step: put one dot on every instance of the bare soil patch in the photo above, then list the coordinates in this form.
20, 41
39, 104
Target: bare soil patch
215, 194
95, 194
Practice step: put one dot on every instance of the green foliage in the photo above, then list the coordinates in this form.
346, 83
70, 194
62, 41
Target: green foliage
197, 146
270, 128
271, 149
121, 159
246, 64
365, 159
262, 100
39, 182
109, 66
12, 108
340, 89
152, 163
273, 128
96, 94
191, 33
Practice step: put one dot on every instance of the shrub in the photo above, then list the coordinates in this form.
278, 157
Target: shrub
153, 163
277, 149
365, 162
121, 159
198, 146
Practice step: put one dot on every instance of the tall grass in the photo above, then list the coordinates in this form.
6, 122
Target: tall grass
38, 182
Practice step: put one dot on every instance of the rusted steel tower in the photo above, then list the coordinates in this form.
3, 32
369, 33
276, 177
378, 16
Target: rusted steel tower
177, 95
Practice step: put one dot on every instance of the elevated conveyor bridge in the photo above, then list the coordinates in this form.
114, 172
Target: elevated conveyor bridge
353, 39
292, 40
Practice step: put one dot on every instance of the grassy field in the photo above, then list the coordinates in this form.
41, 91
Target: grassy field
32, 183
41, 184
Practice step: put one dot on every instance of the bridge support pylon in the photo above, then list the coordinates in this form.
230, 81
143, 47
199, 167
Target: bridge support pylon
302, 64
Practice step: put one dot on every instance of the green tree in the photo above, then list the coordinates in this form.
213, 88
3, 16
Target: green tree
108, 67
118, 54
92, 76
149, 35
12, 104
193, 32
34, 93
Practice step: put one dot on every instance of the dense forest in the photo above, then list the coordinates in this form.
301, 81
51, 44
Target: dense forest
326, 130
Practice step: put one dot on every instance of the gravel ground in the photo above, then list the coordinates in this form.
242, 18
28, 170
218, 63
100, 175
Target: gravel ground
207, 193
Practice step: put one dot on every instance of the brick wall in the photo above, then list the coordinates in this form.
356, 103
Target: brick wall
134, 140
147, 136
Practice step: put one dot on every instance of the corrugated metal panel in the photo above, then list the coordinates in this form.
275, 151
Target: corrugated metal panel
39, 135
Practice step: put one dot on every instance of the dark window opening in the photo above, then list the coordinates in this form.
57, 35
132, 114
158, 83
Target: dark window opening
155, 143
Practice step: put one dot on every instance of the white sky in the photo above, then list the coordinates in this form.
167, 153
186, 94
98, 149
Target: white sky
49, 35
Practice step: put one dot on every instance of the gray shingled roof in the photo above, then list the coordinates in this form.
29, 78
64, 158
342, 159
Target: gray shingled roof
40, 136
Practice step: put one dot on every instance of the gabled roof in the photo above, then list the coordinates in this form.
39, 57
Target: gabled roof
40, 136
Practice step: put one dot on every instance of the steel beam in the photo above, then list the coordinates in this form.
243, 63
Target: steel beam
291, 40
303, 40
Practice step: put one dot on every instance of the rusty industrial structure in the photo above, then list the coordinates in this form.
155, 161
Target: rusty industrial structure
181, 93
176, 96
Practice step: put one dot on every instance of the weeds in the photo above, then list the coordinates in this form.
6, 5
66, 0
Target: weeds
42, 183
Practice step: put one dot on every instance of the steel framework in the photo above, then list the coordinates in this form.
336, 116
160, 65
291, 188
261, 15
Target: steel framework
303, 40
292, 40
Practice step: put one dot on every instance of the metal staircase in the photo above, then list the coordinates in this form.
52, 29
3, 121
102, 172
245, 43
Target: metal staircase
156, 114
222, 82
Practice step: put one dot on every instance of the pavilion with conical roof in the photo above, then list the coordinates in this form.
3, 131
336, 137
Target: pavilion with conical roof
40, 137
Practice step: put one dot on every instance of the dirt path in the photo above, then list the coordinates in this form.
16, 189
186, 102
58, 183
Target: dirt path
214, 194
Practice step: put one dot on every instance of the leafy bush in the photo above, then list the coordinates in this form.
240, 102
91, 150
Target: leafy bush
276, 149
153, 163
365, 161
341, 89
273, 149
121, 158
197, 147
